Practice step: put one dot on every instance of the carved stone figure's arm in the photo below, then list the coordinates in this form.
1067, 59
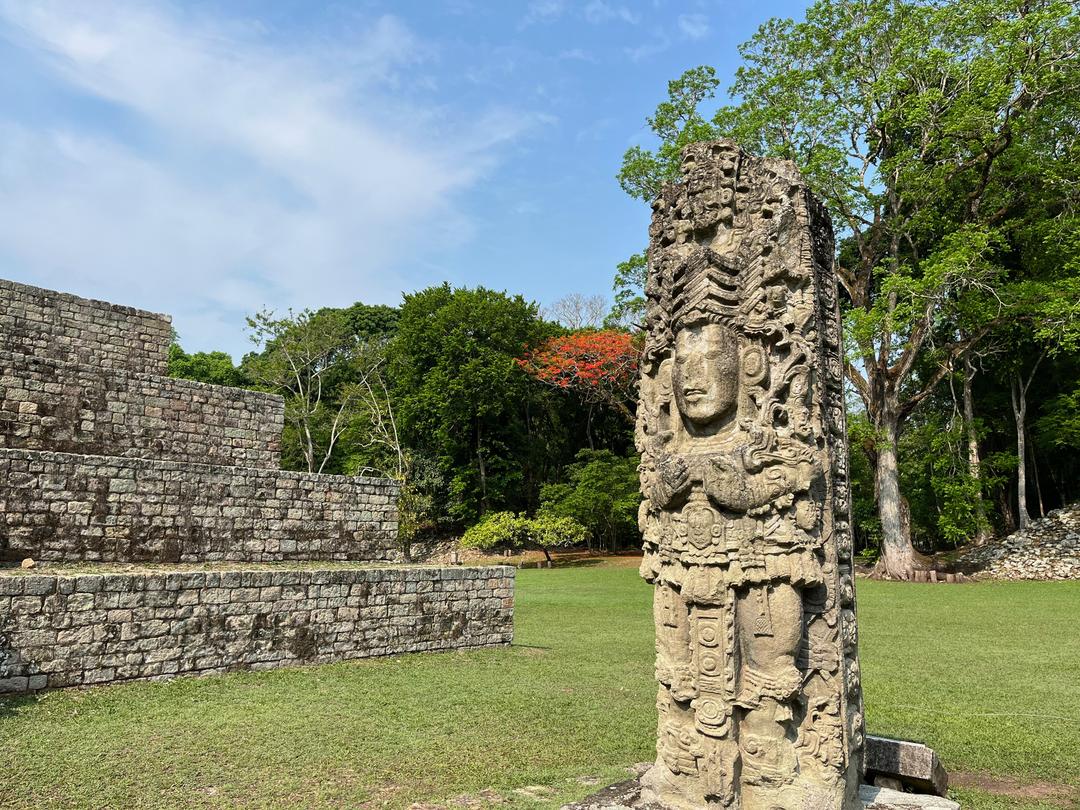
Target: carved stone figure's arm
671, 477
730, 486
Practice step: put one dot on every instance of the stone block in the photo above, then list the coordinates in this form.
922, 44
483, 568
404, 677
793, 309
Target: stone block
911, 764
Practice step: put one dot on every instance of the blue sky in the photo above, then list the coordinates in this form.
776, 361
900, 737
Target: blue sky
209, 159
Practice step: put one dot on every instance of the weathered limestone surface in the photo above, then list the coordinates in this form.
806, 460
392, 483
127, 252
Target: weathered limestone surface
746, 501
906, 763
48, 405
69, 508
70, 329
88, 629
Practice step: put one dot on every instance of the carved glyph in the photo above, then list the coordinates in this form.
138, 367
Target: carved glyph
745, 514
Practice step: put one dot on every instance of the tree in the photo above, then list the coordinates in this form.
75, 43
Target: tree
909, 119
1052, 328
601, 493
628, 310
576, 311
215, 368
463, 400
512, 531
320, 367
600, 367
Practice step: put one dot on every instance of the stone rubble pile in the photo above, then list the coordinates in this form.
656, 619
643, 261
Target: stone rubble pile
1047, 549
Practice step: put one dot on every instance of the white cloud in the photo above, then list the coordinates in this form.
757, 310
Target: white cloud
693, 26
576, 55
598, 12
543, 11
259, 176
659, 43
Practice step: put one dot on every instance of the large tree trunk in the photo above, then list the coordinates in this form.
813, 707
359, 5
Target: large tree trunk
1019, 406
982, 529
897, 553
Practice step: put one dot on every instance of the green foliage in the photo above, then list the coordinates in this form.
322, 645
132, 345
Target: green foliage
322, 368
601, 493
1059, 426
942, 495
215, 368
629, 286
862, 441
369, 321
464, 400
676, 123
497, 529
510, 530
943, 137
549, 531
422, 488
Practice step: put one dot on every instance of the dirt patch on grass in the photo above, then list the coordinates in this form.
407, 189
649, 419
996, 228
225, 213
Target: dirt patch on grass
1064, 796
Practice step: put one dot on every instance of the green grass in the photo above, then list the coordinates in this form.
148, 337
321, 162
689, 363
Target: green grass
988, 674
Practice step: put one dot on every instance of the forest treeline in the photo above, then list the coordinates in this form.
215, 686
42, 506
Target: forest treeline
942, 136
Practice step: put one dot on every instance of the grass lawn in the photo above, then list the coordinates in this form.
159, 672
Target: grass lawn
989, 674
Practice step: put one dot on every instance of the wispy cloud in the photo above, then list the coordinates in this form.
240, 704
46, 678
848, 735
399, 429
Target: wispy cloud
543, 11
576, 55
260, 176
598, 12
657, 45
693, 26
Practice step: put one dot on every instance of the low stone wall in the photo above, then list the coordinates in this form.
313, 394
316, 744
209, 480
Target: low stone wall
73, 630
64, 327
46, 405
64, 507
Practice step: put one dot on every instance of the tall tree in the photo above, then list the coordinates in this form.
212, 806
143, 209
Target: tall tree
907, 117
600, 367
463, 399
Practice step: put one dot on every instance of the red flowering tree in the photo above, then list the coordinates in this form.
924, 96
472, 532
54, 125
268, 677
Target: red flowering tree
601, 367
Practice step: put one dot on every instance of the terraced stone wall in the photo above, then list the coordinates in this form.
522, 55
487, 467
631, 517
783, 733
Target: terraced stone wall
73, 630
48, 405
70, 329
72, 508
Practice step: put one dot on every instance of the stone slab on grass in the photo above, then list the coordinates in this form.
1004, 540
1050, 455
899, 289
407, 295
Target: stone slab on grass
912, 764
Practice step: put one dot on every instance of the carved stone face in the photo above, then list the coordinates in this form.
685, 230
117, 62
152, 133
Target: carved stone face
705, 376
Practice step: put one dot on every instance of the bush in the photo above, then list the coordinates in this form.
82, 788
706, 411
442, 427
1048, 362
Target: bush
509, 530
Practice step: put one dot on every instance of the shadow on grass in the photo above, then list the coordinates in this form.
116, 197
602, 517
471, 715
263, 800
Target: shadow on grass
11, 706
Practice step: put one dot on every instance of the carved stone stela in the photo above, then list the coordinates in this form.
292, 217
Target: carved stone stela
745, 515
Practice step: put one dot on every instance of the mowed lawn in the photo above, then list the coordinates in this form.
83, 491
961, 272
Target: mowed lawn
989, 674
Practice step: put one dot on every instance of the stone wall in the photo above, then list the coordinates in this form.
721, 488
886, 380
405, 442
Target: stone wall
64, 507
74, 630
70, 329
47, 405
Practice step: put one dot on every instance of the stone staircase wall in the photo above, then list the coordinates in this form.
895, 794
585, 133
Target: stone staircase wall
58, 326
70, 508
104, 461
48, 405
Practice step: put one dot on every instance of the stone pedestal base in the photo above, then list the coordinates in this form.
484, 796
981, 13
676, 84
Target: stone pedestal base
627, 796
